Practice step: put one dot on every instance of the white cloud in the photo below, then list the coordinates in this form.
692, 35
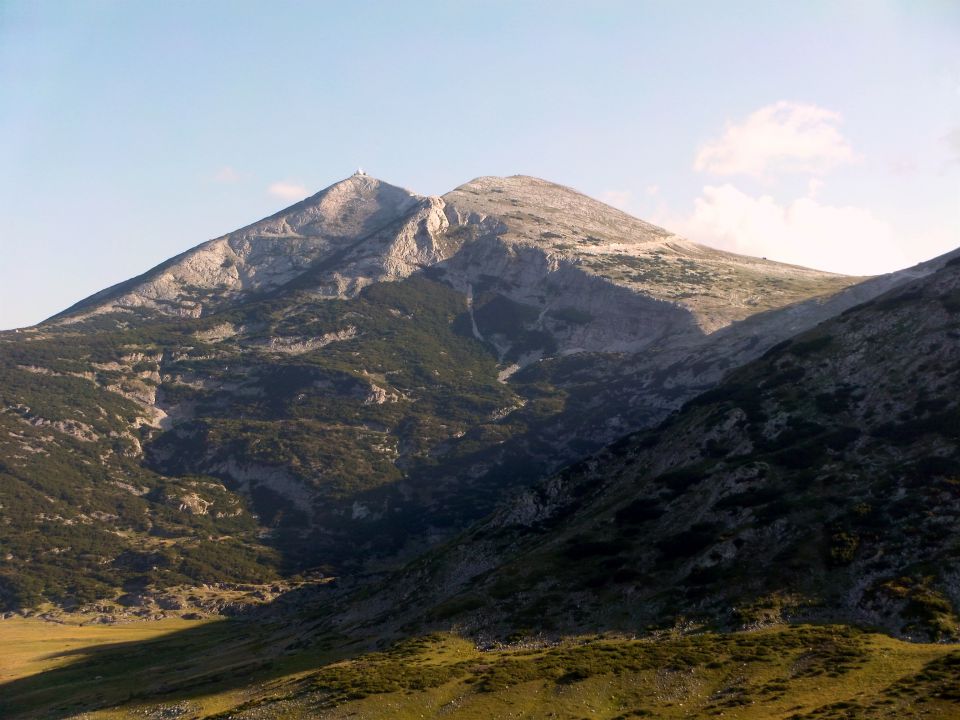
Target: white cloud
843, 239
288, 190
778, 138
617, 198
227, 174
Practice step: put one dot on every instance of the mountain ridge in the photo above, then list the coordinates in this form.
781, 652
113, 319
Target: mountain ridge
595, 237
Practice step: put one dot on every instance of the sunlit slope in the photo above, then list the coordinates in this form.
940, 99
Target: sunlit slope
245, 671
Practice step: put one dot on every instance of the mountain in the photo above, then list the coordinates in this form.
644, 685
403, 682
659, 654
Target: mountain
504, 452
356, 378
818, 483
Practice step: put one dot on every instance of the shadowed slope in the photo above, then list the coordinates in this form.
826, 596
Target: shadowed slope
817, 482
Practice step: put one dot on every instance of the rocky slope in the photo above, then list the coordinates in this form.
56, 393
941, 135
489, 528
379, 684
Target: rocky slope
819, 482
367, 371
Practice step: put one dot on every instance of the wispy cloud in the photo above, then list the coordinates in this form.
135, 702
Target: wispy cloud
228, 174
778, 138
286, 190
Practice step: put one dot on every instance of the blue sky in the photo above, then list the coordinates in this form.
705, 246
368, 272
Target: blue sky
821, 133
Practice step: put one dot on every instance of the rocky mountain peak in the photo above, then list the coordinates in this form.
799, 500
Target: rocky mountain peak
570, 229
260, 256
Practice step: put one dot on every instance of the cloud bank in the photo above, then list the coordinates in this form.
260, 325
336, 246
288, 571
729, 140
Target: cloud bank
787, 138
228, 175
843, 239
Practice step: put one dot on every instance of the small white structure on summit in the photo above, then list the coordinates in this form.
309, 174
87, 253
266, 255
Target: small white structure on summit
360, 171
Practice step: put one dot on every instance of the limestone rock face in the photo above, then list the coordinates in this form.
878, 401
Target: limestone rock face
362, 230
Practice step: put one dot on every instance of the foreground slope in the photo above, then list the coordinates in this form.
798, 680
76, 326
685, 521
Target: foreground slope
819, 482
